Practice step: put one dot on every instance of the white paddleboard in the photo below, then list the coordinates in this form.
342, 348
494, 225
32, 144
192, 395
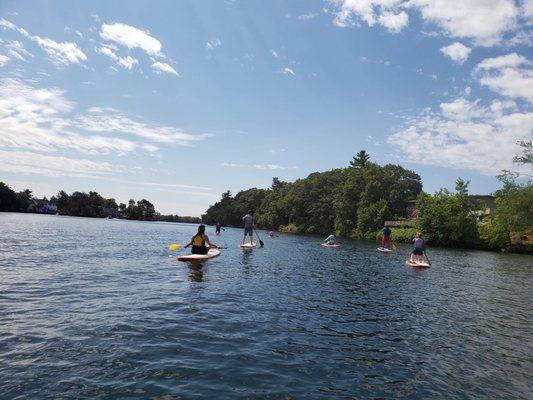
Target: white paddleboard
330, 245
200, 257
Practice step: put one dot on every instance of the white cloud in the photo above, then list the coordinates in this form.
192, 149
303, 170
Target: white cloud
164, 67
458, 52
3, 60
126, 62
287, 71
307, 17
131, 37
509, 60
464, 135
213, 44
372, 12
510, 76
17, 50
63, 53
111, 121
25, 162
394, 22
274, 53
41, 120
271, 167
484, 22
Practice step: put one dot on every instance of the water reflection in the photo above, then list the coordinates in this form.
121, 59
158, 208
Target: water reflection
196, 272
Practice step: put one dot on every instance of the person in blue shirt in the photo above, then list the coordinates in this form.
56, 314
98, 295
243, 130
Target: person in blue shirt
417, 255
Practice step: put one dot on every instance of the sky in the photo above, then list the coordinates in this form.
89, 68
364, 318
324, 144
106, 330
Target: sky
179, 101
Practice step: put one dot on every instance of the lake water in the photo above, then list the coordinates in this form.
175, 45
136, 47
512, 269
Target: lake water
97, 308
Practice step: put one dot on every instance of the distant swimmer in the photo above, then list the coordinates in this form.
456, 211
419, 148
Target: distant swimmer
200, 242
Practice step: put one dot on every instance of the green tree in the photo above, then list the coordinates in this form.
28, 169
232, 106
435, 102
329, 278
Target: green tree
360, 160
448, 219
461, 187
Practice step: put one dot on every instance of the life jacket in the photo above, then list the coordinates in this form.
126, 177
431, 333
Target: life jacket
198, 240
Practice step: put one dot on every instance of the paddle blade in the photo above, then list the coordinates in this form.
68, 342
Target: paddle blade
261, 243
174, 246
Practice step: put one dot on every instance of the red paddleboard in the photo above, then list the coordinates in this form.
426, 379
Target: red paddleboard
416, 265
200, 257
330, 245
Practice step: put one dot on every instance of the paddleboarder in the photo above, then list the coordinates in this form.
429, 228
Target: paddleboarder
248, 226
385, 241
200, 242
331, 239
417, 255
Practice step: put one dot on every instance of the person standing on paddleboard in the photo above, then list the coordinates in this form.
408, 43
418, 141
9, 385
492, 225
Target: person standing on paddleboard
248, 226
331, 239
217, 228
417, 255
200, 242
385, 242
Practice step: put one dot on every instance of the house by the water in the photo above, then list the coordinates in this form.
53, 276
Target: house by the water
42, 206
486, 203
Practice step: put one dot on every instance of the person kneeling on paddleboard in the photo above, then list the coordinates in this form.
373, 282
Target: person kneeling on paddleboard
385, 242
248, 226
331, 239
199, 241
417, 255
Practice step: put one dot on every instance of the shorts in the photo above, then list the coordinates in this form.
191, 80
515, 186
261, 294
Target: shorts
418, 252
386, 239
248, 230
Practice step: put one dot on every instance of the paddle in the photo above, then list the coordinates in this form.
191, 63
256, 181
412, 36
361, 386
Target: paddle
427, 258
260, 241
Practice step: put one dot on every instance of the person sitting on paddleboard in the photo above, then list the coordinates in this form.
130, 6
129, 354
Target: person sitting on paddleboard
217, 228
331, 240
248, 226
200, 242
385, 242
417, 254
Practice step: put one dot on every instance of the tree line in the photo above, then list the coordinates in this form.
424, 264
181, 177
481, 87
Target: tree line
92, 204
355, 201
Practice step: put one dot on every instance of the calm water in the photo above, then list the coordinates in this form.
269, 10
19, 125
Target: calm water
97, 308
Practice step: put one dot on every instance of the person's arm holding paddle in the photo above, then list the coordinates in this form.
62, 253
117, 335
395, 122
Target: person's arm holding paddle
209, 244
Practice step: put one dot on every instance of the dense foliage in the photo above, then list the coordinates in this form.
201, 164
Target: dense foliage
177, 218
13, 201
90, 204
349, 201
512, 226
449, 219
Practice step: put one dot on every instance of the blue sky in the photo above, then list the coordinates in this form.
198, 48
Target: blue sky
178, 101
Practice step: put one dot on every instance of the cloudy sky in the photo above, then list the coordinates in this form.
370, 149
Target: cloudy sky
178, 101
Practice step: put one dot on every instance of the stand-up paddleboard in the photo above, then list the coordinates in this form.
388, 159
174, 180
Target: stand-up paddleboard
409, 263
200, 257
384, 250
330, 245
248, 245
